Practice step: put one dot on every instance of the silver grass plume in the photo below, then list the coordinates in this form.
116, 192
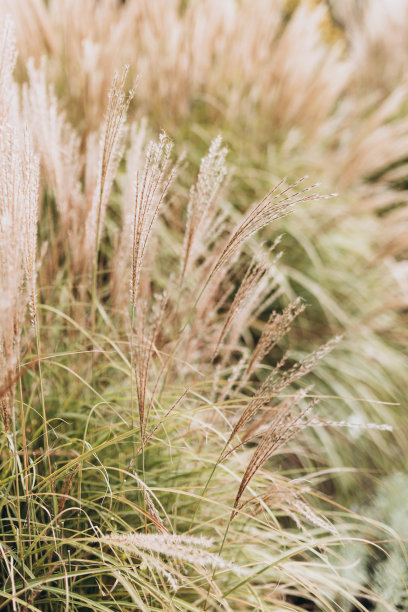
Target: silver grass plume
150, 188
110, 153
181, 548
200, 211
19, 193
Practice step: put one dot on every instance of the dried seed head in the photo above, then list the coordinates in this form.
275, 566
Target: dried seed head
19, 192
110, 153
200, 209
275, 205
151, 186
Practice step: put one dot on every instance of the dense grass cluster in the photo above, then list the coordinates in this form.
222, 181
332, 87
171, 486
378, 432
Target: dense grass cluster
203, 387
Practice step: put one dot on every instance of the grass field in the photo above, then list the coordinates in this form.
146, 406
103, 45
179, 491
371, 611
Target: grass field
203, 305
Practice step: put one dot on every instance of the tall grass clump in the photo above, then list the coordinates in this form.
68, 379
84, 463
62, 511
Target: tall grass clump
295, 88
199, 388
